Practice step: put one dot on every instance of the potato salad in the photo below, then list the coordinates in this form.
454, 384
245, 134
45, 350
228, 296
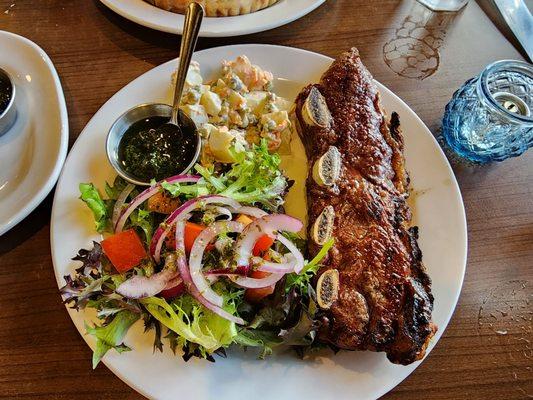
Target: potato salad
235, 110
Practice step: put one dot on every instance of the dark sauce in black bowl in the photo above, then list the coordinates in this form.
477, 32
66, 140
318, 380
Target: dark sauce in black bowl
148, 153
6, 91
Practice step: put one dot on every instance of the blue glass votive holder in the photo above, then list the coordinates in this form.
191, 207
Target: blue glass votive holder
490, 118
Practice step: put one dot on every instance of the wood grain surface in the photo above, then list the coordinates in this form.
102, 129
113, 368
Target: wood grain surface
486, 350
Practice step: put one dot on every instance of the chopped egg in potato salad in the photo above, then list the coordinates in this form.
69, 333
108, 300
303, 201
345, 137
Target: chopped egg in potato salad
235, 110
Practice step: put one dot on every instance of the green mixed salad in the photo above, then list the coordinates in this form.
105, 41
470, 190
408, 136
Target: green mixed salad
206, 261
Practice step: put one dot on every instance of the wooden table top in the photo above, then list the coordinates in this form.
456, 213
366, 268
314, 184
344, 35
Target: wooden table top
484, 353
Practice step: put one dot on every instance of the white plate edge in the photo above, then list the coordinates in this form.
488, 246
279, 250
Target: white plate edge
208, 33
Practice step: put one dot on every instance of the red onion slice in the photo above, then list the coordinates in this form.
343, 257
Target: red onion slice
186, 276
285, 267
213, 275
251, 211
146, 194
197, 253
121, 199
266, 225
298, 257
293, 262
187, 207
218, 211
254, 283
242, 271
174, 282
222, 243
139, 287
212, 278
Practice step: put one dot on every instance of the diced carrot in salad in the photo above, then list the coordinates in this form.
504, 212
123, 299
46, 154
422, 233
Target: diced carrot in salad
125, 250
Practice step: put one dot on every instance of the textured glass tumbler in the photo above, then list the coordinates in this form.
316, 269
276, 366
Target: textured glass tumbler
490, 118
444, 5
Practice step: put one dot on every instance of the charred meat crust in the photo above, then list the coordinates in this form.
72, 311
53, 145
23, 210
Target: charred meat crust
384, 301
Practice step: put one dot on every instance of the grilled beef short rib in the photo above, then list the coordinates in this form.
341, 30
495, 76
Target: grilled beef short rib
384, 300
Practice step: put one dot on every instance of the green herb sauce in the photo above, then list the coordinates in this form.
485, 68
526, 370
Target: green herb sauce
147, 153
6, 91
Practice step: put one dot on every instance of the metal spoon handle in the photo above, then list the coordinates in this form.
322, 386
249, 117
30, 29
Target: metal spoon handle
191, 28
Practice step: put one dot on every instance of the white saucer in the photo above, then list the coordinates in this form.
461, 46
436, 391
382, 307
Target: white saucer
281, 13
32, 152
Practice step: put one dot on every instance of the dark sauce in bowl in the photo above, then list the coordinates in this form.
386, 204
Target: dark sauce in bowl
6, 91
147, 153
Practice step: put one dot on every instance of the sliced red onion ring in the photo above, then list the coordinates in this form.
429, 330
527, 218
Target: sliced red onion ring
186, 276
174, 282
296, 254
251, 211
212, 278
140, 287
221, 244
218, 211
254, 283
285, 267
145, 195
293, 262
121, 199
187, 207
197, 253
266, 225
242, 271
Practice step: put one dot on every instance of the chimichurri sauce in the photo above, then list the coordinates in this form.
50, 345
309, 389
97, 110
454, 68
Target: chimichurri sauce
147, 153
6, 90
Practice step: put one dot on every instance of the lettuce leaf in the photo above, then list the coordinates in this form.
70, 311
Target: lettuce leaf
144, 220
266, 340
119, 184
175, 189
302, 280
110, 335
88, 280
93, 199
219, 328
255, 178
150, 323
285, 319
304, 331
198, 325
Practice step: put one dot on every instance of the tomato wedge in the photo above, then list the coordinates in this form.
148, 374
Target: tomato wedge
192, 231
172, 292
263, 244
256, 295
125, 250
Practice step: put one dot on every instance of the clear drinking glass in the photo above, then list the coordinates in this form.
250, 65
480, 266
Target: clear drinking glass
490, 118
444, 5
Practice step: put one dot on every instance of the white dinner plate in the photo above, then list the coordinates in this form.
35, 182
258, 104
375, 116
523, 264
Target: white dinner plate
281, 13
438, 210
34, 149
